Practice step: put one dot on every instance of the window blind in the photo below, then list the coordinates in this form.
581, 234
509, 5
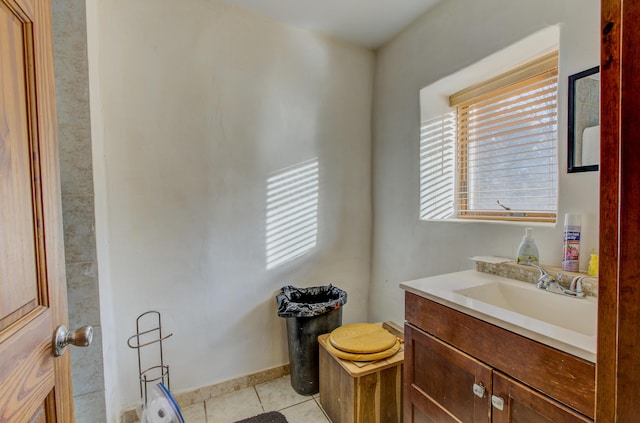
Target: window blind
507, 146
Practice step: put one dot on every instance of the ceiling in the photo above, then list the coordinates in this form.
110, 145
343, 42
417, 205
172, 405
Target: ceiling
367, 23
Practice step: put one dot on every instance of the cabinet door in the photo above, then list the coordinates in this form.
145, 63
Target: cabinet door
440, 381
521, 404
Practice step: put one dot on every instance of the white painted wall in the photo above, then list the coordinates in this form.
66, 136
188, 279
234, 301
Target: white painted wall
452, 36
196, 105
110, 334
193, 107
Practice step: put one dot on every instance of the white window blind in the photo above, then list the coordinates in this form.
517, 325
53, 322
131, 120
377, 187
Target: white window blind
507, 145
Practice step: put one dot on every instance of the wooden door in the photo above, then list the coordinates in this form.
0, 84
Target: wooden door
442, 383
521, 404
34, 386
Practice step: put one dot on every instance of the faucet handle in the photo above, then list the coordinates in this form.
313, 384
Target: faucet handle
576, 285
545, 280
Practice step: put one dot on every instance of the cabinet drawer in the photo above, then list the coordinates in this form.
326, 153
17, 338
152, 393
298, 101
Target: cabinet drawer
557, 374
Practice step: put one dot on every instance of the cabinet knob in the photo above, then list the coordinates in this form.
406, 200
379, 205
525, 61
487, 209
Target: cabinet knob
478, 390
497, 402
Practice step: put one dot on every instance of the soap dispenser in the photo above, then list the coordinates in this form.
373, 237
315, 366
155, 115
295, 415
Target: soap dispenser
528, 250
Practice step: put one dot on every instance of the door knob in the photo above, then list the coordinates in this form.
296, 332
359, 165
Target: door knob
62, 337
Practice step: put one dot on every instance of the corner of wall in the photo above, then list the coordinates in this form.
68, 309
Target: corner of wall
112, 397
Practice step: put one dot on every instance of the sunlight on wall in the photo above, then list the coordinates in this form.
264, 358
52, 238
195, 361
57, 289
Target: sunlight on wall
437, 167
292, 212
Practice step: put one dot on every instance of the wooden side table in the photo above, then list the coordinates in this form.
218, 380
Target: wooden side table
358, 392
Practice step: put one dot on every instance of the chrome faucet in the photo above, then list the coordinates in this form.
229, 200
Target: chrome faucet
545, 280
549, 282
575, 288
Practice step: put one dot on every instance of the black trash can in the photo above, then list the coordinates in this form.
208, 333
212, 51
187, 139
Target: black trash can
309, 312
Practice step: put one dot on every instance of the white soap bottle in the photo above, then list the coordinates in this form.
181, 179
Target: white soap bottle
528, 250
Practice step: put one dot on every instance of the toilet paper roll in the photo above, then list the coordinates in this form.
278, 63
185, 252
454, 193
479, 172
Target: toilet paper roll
159, 411
591, 146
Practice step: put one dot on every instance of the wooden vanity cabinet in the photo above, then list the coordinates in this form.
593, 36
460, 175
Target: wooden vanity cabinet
455, 365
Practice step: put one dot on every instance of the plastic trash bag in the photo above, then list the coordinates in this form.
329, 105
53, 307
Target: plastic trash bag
161, 407
309, 302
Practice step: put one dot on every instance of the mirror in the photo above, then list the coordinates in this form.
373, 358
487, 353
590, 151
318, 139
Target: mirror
584, 121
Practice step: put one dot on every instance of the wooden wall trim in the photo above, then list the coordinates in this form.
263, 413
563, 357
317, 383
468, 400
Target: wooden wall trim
618, 369
609, 218
628, 367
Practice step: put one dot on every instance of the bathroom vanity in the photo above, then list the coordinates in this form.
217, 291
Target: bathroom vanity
471, 354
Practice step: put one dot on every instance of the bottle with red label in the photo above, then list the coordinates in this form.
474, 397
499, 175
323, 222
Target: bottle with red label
571, 248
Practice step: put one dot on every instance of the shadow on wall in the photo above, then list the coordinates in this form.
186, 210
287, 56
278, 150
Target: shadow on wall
292, 212
437, 167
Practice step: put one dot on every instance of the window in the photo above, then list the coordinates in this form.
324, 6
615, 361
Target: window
506, 165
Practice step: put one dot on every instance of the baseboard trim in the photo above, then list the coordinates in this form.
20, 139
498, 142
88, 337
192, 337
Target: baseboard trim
188, 398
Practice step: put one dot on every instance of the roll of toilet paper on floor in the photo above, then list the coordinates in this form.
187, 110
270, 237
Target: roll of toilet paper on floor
159, 411
591, 145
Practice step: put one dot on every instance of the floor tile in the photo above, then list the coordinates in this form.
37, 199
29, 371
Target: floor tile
234, 406
278, 394
90, 408
307, 412
321, 409
194, 413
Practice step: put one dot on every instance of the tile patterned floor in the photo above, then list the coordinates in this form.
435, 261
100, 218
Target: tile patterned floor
275, 395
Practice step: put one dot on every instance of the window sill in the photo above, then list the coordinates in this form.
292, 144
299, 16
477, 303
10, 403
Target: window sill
495, 222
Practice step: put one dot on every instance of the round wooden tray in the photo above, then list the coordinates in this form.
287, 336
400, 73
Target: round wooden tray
362, 357
361, 338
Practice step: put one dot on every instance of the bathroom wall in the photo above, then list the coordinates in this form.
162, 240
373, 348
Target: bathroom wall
76, 177
453, 35
194, 108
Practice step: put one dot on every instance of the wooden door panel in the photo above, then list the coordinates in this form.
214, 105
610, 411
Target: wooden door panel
34, 385
18, 264
40, 416
28, 371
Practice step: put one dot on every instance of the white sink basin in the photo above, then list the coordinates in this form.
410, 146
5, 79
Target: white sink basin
562, 322
575, 314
